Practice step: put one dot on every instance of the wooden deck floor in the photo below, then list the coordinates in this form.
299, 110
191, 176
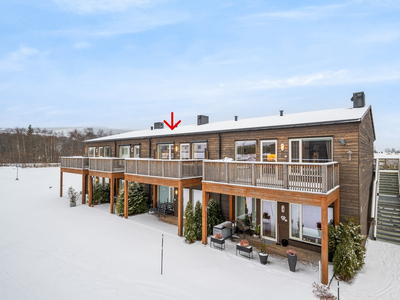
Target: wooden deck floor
302, 254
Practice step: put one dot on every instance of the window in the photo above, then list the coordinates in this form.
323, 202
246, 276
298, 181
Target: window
101, 151
185, 151
246, 151
91, 151
313, 150
124, 151
165, 151
107, 151
269, 219
246, 210
165, 194
268, 150
199, 150
136, 151
305, 223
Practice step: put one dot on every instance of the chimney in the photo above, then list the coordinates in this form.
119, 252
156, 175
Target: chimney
151, 127
281, 113
358, 99
236, 118
158, 125
201, 120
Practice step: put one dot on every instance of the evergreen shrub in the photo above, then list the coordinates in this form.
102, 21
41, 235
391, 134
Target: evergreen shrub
101, 193
198, 214
190, 227
214, 215
137, 200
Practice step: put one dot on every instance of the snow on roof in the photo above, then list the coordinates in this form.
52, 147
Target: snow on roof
341, 115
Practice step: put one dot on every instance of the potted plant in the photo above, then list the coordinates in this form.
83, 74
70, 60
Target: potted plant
244, 246
257, 231
219, 240
263, 254
292, 259
218, 236
73, 196
244, 243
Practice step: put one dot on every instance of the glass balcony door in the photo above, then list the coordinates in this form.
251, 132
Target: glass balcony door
165, 151
269, 220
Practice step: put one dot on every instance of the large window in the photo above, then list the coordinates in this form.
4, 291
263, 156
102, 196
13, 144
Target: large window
165, 151
185, 154
268, 151
101, 151
124, 151
107, 151
199, 150
165, 194
305, 222
313, 150
91, 151
269, 219
246, 210
136, 151
246, 151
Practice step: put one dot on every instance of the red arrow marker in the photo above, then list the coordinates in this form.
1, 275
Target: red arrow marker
172, 126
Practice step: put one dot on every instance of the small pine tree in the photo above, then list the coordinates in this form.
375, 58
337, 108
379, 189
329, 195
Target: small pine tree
119, 206
189, 228
101, 193
345, 242
137, 200
214, 215
198, 214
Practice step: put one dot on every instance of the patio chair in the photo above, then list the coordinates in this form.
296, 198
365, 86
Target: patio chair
242, 227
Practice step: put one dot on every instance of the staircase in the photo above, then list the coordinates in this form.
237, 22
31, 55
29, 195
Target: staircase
388, 219
389, 183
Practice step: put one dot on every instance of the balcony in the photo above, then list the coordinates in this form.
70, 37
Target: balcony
75, 162
107, 164
314, 178
177, 169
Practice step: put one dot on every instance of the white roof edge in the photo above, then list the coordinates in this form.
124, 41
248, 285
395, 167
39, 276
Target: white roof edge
332, 116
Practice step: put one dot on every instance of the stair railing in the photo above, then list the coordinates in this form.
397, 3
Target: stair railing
374, 206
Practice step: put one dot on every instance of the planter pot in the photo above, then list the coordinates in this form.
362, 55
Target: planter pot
292, 260
285, 242
263, 258
72, 204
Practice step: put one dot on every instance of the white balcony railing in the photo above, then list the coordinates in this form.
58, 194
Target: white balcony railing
316, 178
75, 162
164, 168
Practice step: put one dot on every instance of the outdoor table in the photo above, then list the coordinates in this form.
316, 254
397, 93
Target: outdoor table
229, 225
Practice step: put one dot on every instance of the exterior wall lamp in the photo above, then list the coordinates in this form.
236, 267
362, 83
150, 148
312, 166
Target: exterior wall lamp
349, 153
282, 147
176, 191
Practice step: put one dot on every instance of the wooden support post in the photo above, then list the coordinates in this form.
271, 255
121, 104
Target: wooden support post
154, 195
231, 208
337, 211
126, 193
90, 189
117, 186
324, 242
83, 188
61, 183
112, 195
180, 209
206, 198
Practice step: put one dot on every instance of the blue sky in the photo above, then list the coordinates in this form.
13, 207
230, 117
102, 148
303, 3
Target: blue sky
129, 63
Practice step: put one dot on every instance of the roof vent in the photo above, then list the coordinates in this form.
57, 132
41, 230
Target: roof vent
358, 99
201, 120
158, 125
281, 113
151, 127
236, 118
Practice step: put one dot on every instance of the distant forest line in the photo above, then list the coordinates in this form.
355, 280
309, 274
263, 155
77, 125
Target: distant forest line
35, 145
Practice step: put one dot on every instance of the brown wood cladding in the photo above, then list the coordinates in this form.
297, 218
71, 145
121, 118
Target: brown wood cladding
355, 174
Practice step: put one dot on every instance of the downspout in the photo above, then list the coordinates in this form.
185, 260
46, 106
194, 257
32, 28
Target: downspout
149, 147
220, 148
115, 149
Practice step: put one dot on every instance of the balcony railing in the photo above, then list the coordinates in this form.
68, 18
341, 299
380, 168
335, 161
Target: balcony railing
107, 164
75, 162
164, 168
316, 178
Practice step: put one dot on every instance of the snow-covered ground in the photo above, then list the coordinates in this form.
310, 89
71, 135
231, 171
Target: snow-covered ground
51, 251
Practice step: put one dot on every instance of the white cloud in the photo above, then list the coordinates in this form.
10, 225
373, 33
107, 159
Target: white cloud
324, 78
15, 60
82, 45
91, 6
311, 12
